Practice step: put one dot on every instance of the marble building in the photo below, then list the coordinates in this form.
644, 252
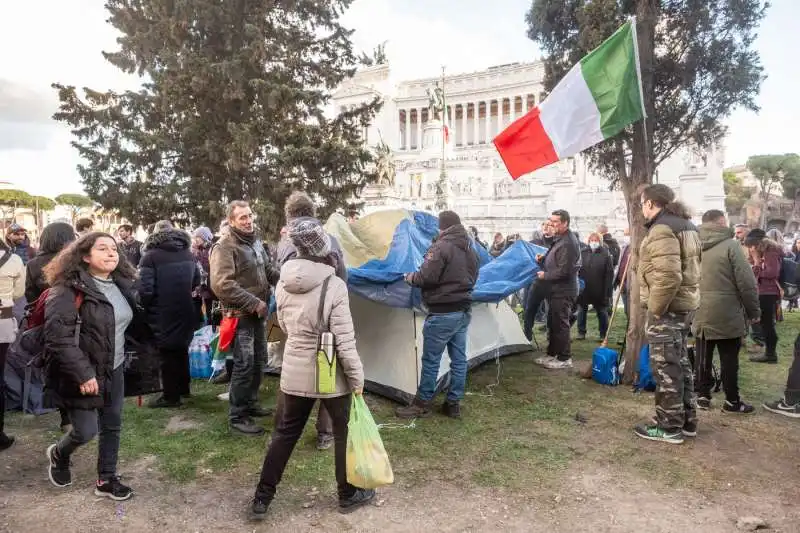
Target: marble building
479, 105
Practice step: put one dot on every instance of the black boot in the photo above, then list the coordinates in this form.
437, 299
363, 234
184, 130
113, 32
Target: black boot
258, 508
451, 409
360, 498
417, 409
6, 441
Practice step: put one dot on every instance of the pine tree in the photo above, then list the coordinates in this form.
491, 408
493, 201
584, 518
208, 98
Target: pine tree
232, 106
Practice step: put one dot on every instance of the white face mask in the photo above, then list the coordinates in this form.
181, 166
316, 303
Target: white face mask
594, 245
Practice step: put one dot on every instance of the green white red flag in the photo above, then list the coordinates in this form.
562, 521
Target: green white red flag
597, 99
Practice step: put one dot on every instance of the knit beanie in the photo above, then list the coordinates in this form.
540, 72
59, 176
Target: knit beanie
755, 237
448, 219
204, 233
310, 239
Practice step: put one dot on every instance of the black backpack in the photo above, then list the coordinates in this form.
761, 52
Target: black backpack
789, 278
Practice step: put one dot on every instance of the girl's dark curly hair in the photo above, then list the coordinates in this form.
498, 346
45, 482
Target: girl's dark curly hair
69, 263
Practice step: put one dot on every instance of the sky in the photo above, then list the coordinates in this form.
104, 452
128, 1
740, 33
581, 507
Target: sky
46, 41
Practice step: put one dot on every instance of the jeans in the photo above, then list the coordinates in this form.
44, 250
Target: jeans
249, 358
769, 304
534, 302
175, 375
602, 318
3, 354
86, 423
676, 402
290, 419
447, 330
728, 363
792, 394
561, 306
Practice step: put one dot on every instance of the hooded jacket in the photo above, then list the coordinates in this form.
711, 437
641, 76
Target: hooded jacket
298, 297
597, 271
68, 365
241, 273
448, 273
728, 293
768, 271
167, 276
669, 265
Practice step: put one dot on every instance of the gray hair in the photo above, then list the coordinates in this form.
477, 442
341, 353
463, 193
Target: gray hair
162, 225
233, 205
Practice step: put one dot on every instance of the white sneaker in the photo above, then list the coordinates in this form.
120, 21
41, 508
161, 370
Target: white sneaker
225, 396
555, 364
543, 359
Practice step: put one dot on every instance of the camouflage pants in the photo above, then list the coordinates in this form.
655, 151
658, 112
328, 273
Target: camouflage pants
676, 402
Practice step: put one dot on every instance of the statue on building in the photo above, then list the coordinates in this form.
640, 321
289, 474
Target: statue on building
384, 164
435, 102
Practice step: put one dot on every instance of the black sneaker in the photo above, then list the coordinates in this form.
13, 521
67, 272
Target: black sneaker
261, 412
764, 358
6, 441
258, 509
738, 407
704, 403
451, 409
58, 470
359, 499
782, 408
113, 489
246, 426
689, 429
163, 403
325, 441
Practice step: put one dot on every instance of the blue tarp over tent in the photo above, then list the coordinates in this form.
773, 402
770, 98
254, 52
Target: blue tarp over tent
381, 280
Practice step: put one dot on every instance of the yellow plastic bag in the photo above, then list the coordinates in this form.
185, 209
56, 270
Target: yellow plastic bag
367, 463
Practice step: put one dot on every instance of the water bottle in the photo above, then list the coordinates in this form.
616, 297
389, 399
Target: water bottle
327, 345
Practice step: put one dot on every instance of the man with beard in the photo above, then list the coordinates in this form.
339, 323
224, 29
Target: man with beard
241, 275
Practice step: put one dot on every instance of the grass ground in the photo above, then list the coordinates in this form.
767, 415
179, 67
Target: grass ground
531, 427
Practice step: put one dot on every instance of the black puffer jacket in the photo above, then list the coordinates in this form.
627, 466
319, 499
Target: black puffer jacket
68, 365
597, 271
168, 274
449, 272
35, 284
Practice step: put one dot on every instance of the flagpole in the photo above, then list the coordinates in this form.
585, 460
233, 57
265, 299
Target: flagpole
635, 33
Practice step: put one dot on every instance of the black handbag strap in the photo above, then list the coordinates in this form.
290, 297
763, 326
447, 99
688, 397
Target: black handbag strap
321, 311
5, 258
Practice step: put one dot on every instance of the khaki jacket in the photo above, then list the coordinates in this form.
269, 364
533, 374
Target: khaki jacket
12, 288
728, 293
297, 297
669, 265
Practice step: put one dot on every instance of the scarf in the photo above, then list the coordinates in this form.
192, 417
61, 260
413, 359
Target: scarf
247, 238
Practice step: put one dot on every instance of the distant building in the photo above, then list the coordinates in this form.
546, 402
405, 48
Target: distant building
479, 106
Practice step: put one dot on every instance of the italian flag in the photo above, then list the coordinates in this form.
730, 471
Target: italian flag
597, 98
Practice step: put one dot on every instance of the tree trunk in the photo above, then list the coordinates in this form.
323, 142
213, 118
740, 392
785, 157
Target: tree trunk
641, 174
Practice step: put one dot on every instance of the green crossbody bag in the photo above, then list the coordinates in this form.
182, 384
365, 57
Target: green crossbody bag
326, 348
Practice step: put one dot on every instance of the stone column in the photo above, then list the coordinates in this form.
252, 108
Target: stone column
463, 124
419, 128
406, 128
488, 121
475, 130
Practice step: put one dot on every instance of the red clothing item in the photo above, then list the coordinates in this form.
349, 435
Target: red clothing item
768, 273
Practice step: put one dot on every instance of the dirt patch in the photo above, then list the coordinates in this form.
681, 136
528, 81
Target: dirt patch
590, 499
178, 423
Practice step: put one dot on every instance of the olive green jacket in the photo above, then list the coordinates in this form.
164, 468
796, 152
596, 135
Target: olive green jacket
669, 266
728, 293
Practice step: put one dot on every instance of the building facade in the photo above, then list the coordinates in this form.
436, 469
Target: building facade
478, 106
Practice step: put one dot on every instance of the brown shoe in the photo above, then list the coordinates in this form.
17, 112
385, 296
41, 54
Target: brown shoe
417, 409
451, 409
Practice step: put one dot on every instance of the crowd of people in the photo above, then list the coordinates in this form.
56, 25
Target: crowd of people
105, 296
